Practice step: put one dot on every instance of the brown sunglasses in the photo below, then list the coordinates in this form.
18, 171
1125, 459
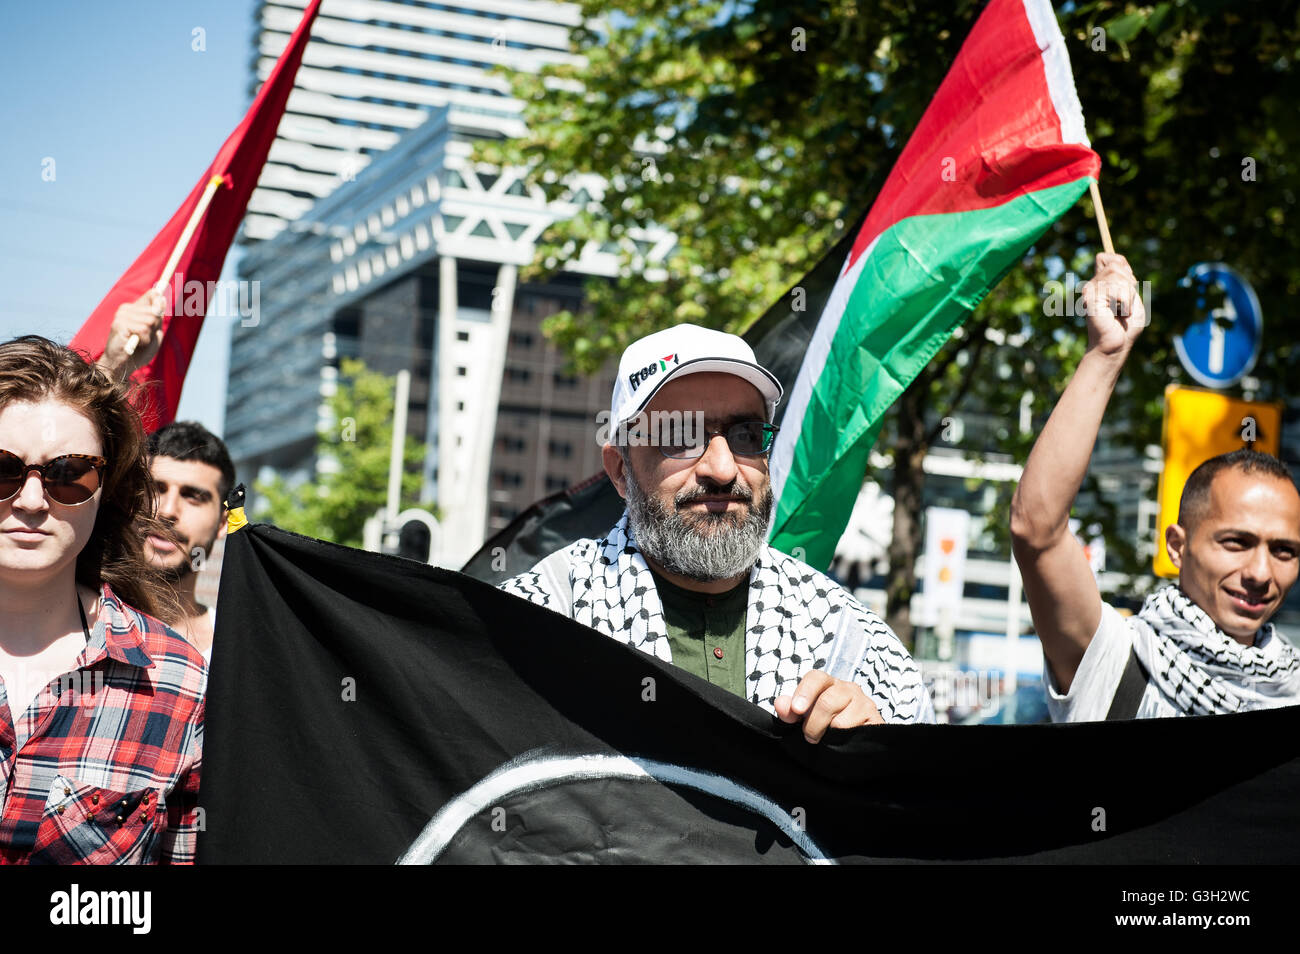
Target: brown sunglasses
69, 479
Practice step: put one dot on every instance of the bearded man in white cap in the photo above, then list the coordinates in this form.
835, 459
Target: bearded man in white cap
686, 574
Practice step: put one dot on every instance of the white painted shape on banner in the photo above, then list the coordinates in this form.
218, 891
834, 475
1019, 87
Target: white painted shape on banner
528, 774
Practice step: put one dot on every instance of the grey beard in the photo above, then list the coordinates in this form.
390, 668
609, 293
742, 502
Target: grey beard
706, 547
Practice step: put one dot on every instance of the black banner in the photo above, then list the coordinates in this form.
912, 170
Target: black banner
369, 709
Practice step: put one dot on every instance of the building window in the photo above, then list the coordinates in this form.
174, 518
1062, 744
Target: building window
507, 478
555, 483
518, 375
560, 449
508, 442
461, 371
462, 336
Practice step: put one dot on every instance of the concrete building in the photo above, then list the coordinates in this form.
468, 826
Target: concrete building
370, 225
374, 70
370, 272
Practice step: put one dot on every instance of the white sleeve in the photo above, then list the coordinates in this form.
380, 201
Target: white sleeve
1098, 675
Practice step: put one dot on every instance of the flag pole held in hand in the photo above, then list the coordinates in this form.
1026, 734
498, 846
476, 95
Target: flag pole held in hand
161, 285
1101, 217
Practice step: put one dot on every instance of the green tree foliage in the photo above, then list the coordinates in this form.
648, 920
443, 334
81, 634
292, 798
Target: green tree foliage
756, 132
352, 482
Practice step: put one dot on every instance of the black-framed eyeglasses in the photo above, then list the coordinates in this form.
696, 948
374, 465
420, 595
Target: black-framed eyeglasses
745, 439
69, 479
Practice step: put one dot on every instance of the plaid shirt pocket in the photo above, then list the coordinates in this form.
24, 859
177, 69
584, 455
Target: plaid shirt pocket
85, 824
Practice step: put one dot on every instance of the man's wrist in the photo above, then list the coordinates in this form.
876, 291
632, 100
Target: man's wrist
1108, 365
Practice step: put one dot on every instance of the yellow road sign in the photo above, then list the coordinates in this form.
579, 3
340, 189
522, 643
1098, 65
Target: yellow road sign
1201, 424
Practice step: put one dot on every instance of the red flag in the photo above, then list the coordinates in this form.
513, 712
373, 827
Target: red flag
238, 164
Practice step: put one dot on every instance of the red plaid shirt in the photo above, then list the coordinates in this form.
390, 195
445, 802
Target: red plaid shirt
103, 767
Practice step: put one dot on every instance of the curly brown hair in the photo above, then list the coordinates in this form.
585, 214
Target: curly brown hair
33, 368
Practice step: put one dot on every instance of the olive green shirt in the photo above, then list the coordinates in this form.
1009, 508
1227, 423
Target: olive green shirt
706, 631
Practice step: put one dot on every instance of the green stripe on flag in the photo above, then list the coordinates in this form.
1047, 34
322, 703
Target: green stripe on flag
921, 280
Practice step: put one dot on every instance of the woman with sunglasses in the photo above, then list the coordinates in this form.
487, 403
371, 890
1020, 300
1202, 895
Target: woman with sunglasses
101, 707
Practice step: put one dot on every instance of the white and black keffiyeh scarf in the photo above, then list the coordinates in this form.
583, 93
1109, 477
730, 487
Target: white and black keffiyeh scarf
792, 618
1202, 669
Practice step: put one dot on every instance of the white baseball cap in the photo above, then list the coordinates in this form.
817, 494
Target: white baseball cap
651, 362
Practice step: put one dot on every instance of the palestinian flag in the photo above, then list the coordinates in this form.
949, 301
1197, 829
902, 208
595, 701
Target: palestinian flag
998, 156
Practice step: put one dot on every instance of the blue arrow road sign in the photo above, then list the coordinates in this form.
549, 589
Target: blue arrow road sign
1222, 345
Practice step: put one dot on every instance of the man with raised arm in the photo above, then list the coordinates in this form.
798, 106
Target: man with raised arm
1202, 647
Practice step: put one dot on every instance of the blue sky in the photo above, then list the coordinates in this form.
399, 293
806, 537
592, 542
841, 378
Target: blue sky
131, 114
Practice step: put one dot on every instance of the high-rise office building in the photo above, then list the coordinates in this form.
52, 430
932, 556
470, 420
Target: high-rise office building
375, 69
374, 234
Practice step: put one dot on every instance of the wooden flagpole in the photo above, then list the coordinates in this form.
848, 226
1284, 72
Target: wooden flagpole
182, 243
1101, 217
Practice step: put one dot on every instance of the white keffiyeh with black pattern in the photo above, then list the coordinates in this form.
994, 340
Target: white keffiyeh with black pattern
1202, 669
792, 619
